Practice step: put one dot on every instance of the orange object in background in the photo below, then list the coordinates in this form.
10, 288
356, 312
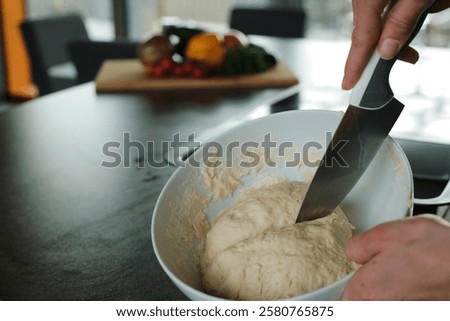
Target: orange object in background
206, 48
17, 66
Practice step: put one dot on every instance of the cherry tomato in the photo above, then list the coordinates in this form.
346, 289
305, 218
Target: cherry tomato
177, 71
187, 68
198, 72
166, 63
158, 71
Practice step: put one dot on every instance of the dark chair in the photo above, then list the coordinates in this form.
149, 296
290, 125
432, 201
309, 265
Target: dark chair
46, 40
88, 56
277, 22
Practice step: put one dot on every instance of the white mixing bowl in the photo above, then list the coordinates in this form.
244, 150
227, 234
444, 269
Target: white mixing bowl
384, 193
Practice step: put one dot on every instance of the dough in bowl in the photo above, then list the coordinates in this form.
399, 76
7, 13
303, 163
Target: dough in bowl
253, 251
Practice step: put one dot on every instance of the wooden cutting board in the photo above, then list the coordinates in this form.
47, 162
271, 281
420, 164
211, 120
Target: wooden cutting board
129, 75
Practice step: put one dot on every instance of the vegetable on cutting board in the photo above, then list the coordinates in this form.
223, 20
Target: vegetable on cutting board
155, 49
203, 53
206, 48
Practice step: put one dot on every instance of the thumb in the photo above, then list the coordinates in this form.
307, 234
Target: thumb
362, 247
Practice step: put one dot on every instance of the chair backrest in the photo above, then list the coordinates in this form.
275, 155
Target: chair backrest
46, 40
277, 22
88, 56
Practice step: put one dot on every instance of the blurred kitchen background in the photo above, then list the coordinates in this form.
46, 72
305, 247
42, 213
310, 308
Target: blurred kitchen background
106, 19
134, 20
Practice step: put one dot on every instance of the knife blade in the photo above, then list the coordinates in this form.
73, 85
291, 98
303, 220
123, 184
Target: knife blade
370, 116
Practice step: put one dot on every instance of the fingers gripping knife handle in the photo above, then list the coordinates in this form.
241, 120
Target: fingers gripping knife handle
373, 89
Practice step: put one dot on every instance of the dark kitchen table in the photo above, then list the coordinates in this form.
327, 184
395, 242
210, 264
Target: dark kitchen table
72, 229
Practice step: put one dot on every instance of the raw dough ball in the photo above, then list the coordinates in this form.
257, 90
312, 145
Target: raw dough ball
255, 252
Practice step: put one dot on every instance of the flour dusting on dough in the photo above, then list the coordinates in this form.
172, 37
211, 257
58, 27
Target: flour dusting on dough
223, 175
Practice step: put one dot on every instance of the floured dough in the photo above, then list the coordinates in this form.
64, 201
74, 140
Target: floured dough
253, 250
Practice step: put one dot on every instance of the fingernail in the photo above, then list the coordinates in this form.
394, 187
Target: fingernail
389, 48
343, 84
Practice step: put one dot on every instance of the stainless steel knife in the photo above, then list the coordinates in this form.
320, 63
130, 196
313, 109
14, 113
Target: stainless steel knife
372, 113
